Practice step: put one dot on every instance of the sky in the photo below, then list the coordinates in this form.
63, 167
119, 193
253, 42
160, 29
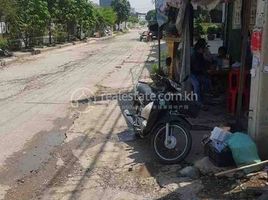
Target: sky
140, 5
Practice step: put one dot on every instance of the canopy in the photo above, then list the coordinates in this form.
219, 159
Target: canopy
207, 4
162, 8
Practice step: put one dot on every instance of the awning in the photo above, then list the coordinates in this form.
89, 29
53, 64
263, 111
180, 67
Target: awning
162, 8
207, 4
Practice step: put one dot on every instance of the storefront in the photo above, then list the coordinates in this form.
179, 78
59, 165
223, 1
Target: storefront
245, 30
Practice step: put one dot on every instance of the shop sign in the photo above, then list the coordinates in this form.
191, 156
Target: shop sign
237, 11
256, 41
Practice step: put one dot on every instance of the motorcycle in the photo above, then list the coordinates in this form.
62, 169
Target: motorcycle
160, 112
5, 53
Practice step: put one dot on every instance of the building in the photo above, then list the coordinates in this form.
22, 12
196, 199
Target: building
141, 16
105, 3
3, 28
132, 11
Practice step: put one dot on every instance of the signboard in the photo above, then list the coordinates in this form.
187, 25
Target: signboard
161, 6
253, 14
256, 41
237, 11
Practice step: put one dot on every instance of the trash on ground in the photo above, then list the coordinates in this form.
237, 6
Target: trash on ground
244, 151
219, 138
216, 147
206, 167
247, 167
191, 172
225, 149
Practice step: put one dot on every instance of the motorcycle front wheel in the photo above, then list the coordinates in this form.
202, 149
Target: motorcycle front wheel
177, 148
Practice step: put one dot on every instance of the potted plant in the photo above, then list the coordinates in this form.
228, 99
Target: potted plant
211, 31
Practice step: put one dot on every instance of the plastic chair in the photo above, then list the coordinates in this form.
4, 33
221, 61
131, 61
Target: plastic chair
232, 100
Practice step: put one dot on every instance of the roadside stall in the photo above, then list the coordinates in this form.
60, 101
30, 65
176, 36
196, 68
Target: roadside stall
229, 70
232, 70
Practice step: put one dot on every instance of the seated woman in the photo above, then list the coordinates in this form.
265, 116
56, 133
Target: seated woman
222, 60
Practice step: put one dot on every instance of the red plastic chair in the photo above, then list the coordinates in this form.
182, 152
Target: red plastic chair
234, 79
232, 100
234, 76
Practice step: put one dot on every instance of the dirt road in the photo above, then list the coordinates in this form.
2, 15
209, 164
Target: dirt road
35, 96
56, 144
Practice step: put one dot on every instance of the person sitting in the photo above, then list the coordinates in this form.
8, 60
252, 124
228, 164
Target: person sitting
199, 77
222, 58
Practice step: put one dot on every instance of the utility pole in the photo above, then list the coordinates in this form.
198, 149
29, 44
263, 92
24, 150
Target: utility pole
158, 38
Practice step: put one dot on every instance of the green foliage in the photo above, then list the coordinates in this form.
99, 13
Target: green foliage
60, 34
155, 69
198, 30
212, 30
8, 9
3, 43
31, 19
142, 23
122, 9
151, 17
133, 19
202, 15
219, 29
109, 16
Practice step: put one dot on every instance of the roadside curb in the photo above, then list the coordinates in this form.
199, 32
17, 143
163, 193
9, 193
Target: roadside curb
7, 61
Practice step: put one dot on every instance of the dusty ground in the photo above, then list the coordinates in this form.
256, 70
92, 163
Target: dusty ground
55, 148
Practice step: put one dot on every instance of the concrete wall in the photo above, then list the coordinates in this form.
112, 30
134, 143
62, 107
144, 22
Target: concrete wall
258, 117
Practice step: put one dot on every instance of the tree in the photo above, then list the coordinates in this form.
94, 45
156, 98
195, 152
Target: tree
52, 6
109, 16
7, 8
202, 15
85, 17
100, 21
31, 19
133, 19
122, 8
151, 16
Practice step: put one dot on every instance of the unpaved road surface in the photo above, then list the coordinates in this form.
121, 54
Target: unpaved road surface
36, 112
56, 144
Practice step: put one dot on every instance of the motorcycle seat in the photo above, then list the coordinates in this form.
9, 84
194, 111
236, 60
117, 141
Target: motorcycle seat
144, 89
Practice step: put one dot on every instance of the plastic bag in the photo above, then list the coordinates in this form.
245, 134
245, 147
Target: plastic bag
244, 150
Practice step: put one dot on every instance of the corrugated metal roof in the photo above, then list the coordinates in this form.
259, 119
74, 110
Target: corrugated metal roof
207, 4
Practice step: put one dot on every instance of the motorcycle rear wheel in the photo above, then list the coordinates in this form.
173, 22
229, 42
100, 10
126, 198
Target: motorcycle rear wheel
180, 147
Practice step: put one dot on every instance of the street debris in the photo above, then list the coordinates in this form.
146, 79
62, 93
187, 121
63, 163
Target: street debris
242, 168
191, 172
206, 167
244, 151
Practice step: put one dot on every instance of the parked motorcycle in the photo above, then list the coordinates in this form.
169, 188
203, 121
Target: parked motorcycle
160, 112
5, 53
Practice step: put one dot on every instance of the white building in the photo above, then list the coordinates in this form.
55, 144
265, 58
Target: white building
3, 28
141, 16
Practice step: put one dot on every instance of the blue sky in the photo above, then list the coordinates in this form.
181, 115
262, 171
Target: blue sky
139, 5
